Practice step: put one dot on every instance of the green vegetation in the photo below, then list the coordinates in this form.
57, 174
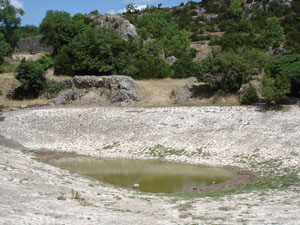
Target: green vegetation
28, 31
9, 23
248, 39
282, 77
250, 96
31, 76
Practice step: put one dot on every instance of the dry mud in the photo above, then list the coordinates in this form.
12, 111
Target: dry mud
32, 192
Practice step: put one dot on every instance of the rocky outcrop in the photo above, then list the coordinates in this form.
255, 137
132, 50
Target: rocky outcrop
117, 22
32, 46
122, 89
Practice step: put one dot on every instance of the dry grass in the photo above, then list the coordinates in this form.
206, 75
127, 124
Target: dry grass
18, 103
50, 76
158, 92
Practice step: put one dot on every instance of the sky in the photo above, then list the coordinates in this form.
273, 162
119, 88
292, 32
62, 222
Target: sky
35, 10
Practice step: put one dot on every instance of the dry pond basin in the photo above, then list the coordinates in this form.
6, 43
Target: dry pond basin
50, 160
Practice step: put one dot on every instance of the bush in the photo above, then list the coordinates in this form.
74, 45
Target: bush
46, 62
250, 96
286, 67
94, 52
53, 88
275, 88
184, 66
225, 71
31, 76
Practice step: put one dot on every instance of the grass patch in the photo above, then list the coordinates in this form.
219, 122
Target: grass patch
8, 67
114, 145
268, 183
161, 151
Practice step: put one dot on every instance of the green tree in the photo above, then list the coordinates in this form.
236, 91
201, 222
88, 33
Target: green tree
56, 29
157, 25
273, 33
31, 76
287, 68
275, 88
96, 52
10, 22
59, 29
250, 96
29, 31
5, 48
224, 71
146, 63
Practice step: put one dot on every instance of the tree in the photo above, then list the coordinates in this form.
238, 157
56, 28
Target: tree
95, 52
31, 76
273, 33
56, 29
131, 8
9, 24
275, 88
224, 71
5, 48
286, 67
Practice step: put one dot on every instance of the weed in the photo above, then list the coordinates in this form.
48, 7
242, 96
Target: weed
161, 151
173, 94
76, 195
115, 144
61, 198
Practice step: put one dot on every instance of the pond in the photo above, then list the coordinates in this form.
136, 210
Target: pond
147, 176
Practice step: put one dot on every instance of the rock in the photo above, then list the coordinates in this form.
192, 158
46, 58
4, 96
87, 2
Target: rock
67, 83
64, 98
117, 22
32, 46
136, 186
183, 97
89, 82
121, 82
122, 89
171, 60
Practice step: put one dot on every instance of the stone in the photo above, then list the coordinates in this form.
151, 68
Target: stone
63, 98
171, 60
117, 22
89, 82
32, 46
122, 89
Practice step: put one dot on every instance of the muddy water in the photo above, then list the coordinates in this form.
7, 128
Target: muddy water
151, 176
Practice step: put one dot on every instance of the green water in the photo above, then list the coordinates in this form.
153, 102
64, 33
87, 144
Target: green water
152, 176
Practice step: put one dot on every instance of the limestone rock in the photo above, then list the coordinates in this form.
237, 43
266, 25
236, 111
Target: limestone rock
32, 45
65, 97
117, 22
121, 89
89, 82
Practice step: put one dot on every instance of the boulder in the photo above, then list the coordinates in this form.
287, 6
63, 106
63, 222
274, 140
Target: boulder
63, 98
117, 22
121, 89
89, 82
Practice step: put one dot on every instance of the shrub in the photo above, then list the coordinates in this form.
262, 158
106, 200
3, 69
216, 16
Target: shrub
46, 62
93, 52
275, 88
184, 66
225, 71
250, 96
53, 88
31, 76
286, 67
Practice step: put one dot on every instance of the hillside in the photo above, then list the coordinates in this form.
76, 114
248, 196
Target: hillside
250, 48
